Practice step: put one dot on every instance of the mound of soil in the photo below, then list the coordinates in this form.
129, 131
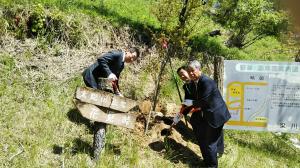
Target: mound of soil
176, 144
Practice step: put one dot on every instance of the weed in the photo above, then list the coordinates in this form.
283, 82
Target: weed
4, 27
7, 63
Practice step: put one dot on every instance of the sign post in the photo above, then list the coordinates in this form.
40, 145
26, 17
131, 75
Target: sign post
263, 96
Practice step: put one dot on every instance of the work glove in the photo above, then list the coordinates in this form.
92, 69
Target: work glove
188, 102
177, 118
112, 77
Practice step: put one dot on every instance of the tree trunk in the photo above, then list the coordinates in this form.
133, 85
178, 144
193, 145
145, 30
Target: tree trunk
157, 89
219, 71
297, 56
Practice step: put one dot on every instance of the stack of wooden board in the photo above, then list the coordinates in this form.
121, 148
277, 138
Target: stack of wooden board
101, 106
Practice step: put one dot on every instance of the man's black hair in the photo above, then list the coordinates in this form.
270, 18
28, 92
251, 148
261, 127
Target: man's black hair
180, 68
134, 50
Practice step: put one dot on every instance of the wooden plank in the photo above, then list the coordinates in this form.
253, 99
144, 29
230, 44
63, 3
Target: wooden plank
122, 104
94, 113
104, 99
94, 96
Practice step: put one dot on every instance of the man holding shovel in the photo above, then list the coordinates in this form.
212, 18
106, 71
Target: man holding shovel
104, 71
208, 123
184, 76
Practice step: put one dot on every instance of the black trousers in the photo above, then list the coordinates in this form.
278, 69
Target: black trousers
220, 144
209, 139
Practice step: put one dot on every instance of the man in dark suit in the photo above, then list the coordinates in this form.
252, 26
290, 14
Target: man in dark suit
108, 67
184, 76
208, 123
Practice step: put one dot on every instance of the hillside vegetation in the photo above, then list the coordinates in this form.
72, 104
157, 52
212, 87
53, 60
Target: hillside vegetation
46, 44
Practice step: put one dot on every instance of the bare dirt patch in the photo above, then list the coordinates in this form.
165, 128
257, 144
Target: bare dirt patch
178, 146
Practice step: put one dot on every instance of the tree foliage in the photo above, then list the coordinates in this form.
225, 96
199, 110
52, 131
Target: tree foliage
249, 20
246, 21
177, 18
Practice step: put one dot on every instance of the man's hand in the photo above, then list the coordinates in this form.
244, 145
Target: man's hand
177, 118
188, 102
112, 77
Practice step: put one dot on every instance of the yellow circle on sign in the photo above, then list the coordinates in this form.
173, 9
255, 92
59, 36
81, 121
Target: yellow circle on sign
235, 90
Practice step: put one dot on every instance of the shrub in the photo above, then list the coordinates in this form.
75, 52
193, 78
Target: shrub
38, 22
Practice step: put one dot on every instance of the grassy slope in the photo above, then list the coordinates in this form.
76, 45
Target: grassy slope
37, 113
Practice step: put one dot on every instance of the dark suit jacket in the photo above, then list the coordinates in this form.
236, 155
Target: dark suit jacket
207, 96
111, 62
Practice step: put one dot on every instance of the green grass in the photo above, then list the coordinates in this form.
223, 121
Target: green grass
137, 14
37, 115
132, 12
259, 149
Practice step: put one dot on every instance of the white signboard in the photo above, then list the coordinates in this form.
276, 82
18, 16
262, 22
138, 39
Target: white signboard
263, 96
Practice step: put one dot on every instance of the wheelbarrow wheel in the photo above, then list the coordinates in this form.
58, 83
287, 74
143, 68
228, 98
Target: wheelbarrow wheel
99, 139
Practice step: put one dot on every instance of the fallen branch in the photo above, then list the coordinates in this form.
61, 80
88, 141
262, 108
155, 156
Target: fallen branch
18, 153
